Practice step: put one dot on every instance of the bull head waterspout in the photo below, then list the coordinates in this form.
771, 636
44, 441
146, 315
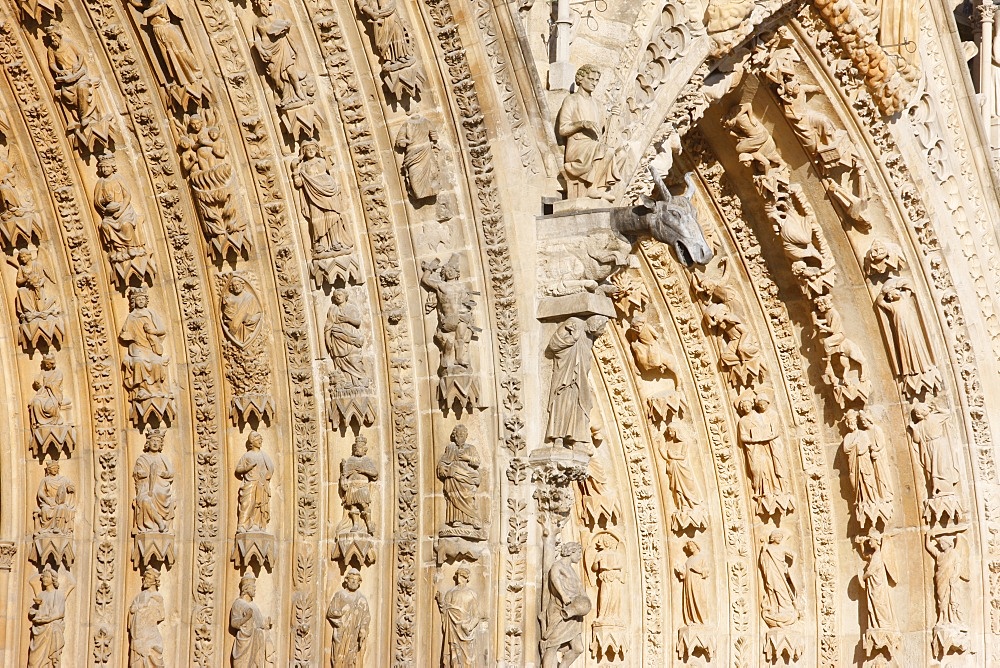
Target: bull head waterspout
671, 220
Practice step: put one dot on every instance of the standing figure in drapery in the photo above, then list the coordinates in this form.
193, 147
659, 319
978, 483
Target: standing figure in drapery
940, 462
187, 82
120, 225
570, 394
86, 122
460, 620
604, 563
145, 363
39, 316
693, 637
47, 615
780, 605
252, 648
675, 448
349, 615
345, 341
951, 593
564, 605
877, 578
320, 202
458, 470
417, 140
144, 616
241, 311
401, 72
758, 434
254, 470
867, 457
911, 356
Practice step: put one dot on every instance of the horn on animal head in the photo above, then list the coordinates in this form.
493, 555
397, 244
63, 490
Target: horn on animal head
658, 180
689, 180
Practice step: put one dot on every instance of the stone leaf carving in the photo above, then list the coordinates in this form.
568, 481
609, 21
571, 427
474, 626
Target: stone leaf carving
780, 604
320, 202
417, 140
951, 592
868, 464
591, 168
252, 647
350, 391
121, 226
882, 636
154, 505
40, 319
460, 622
254, 470
47, 616
349, 615
354, 542
88, 124
293, 85
144, 365
248, 368
940, 462
758, 431
144, 616
694, 637
184, 77
564, 605
402, 73
19, 223
689, 508
54, 518
604, 563
50, 430
458, 382
205, 159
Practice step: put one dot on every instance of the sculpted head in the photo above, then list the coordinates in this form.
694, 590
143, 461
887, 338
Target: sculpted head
237, 285
587, 77
154, 441
449, 271
878, 251
339, 296
310, 149
49, 578
691, 548
865, 419
673, 220
254, 440
352, 579
459, 434
744, 405
138, 298
52, 468
150, 578
775, 537
921, 411
106, 165
195, 123
572, 551
761, 402
48, 362
360, 447
55, 34
24, 256
248, 585
462, 576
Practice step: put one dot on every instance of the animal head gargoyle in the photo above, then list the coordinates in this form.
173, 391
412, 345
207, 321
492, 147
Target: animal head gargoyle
671, 220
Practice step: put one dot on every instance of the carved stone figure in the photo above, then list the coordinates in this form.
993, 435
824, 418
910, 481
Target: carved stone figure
845, 363
320, 202
48, 622
884, 258
582, 264
154, 504
145, 646
275, 50
570, 393
56, 501
401, 71
911, 356
564, 605
417, 140
724, 16
345, 341
693, 637
899, 28
755, 146
867, 456
951, 591
780, 606
186, 82
40, 10
460, 620
252, 648
145, 363
241, 311
205, 159
458, 470
739, 350
19, 222
758, 434
598, 499
940, 463
689, 511
254, 470
802, 239
120, 225
453, 303
354, 538
605, 563
651, 355
590, 166
39, 317
87, 124
877, 578
348, 614
49, 427
670, 219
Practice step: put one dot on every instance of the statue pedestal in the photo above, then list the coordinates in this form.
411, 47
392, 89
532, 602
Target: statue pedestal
942, 508
251, 406
950, 639
48, 329
150, 546
783, 644
329, 270
449, 547
608, 640
250, 545
161, 408
350, 403
459, 385
693, 640
57, 547
56, 436
354, 546
881, 641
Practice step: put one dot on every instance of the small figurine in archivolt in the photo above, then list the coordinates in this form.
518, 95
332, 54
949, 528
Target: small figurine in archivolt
321, 203
252, 647
878, 576
121, 226
757, 430
903, 328
47, 616
940, 462
694, 637
571, 396
461, 479
40, 319
88, 125
417, 140
352, 398
50, 429
458, 383
54, 517
460, 622
154, 505
350, 617
354, 541
564, 605
868, 464
402, 72
145, 614
604, 564
951, 593
144, 365
19, 222
248, 367
780, 605
254, 470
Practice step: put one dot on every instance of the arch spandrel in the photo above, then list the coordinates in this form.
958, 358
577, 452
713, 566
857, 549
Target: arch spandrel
353, 221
